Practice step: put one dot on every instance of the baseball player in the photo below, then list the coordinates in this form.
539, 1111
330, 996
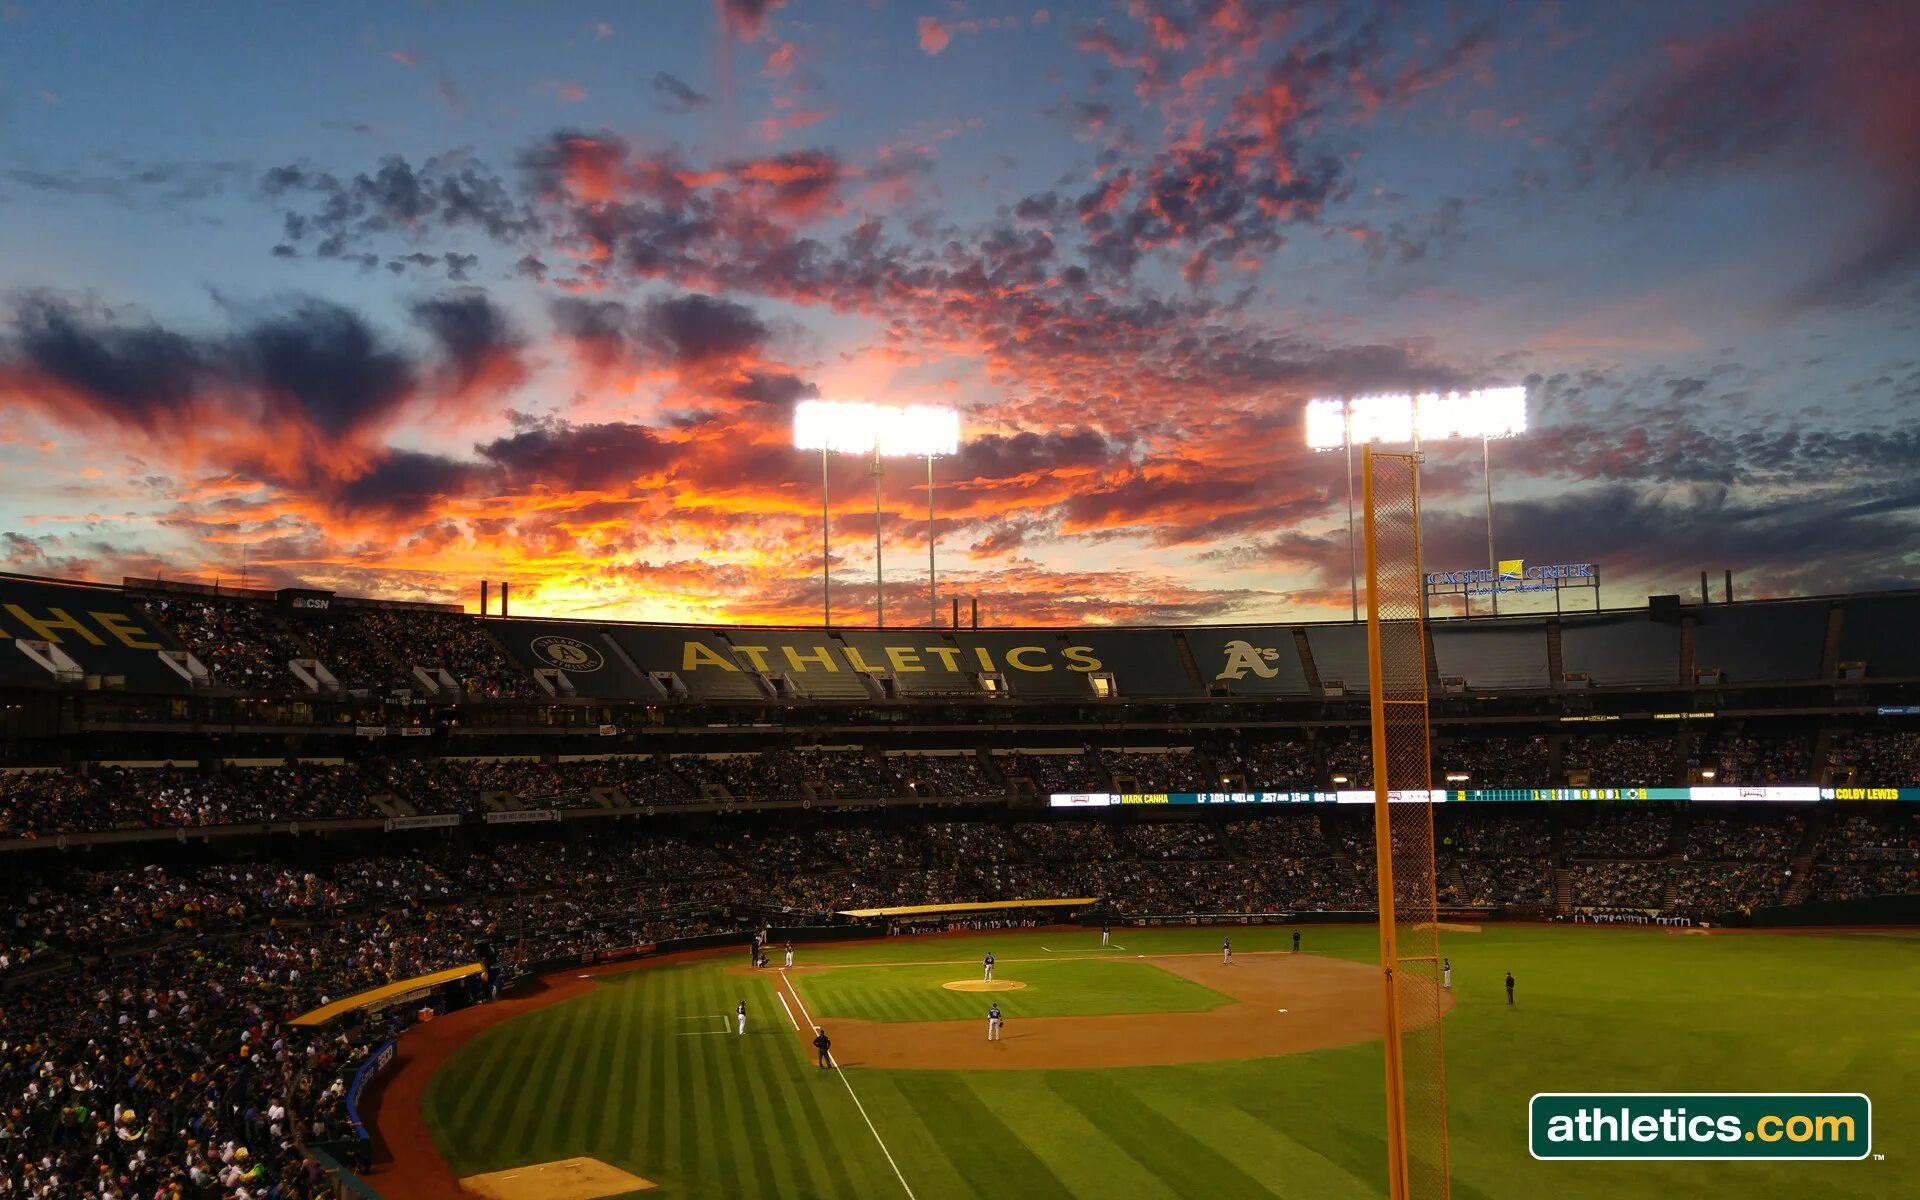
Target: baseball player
1446, 974
822, 1044
993, 1023
789, 954
1226, 952
1296, 941
1509, 987
740, 1017
1106, 936
987, 962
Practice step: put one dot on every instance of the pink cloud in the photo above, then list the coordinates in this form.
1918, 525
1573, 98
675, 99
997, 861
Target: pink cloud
933, 35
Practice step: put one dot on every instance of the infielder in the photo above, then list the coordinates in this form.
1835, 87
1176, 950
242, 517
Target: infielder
1106, 936
789, 954
740, 1017
1226, 952
993, 1023
1446, 974
1296, 941
987, 962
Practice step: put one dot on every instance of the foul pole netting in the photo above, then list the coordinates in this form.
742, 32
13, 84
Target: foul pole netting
1403, 829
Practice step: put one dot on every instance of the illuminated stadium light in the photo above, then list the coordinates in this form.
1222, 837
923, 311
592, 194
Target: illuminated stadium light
1335, 423
915, 431
1413, 418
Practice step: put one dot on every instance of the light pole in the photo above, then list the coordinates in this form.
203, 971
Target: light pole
917, 431
826, 548
879, 594
1402, 418
933, 591
1486, 473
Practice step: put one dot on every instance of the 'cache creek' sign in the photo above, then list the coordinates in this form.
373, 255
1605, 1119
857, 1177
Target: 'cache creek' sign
1514, 575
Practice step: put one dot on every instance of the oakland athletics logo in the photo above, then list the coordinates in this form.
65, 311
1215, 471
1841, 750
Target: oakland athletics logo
569, 654
1244, 656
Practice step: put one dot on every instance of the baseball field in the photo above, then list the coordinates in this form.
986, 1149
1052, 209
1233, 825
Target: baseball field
1149, 1069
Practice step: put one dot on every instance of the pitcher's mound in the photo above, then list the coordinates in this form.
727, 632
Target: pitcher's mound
984, 985
566, 1179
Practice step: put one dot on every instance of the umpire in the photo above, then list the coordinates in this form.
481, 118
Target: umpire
822, 1044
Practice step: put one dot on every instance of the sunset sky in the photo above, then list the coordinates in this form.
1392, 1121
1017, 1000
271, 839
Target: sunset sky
392, 298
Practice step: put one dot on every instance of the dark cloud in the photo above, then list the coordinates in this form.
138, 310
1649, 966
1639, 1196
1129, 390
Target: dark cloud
446, 193
404, 484
744, 19
291, 367
773, 389
127, 371
322, 360
1803, 86
672, 94
473, 334
1663, 538
696, 329
592, 457
126, 182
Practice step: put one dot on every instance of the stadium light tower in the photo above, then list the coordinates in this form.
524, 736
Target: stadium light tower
1404, 417
916, 431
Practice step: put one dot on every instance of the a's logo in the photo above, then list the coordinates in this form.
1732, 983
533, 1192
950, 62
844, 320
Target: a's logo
569, 654
1244, 656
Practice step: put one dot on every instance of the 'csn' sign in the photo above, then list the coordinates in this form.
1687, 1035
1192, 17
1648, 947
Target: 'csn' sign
1515, 576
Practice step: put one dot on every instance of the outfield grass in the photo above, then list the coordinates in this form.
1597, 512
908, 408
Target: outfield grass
1069, 987
1599, 1009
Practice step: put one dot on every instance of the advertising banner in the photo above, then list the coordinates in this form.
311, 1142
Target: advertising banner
1787, 794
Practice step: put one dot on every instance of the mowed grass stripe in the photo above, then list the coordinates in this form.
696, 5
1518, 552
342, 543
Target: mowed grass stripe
652, 1079
618, 1072
685, 1112
1255, 1145
1326, 1112
977, 1141
1185, 1163
506, 1111
1078, 1152
488, 1057
722, 1141
909, 1134
608, 1071
804, 1147
567, 1085
763, 1126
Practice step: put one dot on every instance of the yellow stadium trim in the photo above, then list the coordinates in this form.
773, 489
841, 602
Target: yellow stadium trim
923, 910
327, 1012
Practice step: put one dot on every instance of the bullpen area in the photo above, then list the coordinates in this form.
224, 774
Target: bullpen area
1148, 1068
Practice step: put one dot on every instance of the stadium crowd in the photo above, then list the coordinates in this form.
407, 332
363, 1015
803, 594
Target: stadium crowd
181, 1056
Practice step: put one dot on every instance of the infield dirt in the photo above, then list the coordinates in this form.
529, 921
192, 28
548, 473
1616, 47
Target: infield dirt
1285, 1003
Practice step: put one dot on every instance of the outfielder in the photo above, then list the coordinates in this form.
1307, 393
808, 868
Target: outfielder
1446, 974
987, 962
740, 1017
993, 1023
1226, 952
1106, 936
